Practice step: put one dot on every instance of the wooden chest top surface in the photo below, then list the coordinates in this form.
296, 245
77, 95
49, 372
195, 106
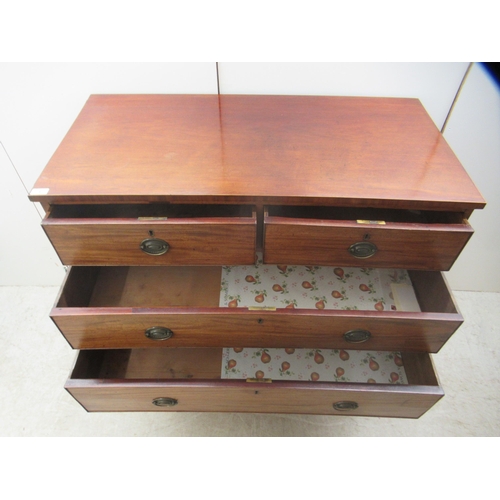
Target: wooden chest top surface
351, 151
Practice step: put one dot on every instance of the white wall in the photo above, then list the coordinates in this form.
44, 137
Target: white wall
435, 84
26, 256
473, 132
38, 103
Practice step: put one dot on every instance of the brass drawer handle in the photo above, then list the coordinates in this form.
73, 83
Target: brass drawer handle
357, 336
165, 402
154, 246
345, 405
158, 333
363, 249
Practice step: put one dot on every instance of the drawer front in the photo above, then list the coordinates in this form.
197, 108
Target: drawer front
219, 395
348, 243
97, 242
412, 332
383, 401
89, 316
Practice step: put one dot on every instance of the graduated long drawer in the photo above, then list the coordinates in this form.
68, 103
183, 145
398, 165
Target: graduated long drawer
133, 307
190, 380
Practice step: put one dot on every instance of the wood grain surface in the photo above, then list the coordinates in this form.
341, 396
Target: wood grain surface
122, 328
109, 241
118, 304
399, 245
389, 401
171, 167
195, 394
351, 151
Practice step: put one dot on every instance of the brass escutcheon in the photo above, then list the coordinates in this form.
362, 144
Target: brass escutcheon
357, 336
154, 246
363, 249
345, 405
165, 402
158, 333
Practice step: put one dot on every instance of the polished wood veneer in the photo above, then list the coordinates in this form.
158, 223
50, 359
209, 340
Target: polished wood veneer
350, 151
429, 241
310, 180
132, 380
112, 307
112, 235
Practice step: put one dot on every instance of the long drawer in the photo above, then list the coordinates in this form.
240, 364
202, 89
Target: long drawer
364, 237
155, 234
190, 380
135, 307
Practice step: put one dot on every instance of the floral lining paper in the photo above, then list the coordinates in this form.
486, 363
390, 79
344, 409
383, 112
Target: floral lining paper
315, 287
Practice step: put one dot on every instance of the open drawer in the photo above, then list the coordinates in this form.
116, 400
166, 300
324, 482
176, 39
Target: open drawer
364, 237
152, 234
194, 380
181, 306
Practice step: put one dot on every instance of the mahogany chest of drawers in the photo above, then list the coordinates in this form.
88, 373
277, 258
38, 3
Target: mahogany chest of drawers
157, 201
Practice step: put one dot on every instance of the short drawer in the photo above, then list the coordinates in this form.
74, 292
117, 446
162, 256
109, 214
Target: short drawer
364, 237
155, 234
180, 306
191, 380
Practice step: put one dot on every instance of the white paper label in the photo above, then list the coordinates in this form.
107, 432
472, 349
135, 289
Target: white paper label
38, 191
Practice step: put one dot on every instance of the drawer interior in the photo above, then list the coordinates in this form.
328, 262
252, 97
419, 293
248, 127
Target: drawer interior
145, 286
200, 287
366, 214
153, 210
211, 364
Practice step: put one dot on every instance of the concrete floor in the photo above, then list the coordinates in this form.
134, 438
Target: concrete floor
36, 360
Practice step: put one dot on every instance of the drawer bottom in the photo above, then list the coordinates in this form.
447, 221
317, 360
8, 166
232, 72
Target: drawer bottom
190, 380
